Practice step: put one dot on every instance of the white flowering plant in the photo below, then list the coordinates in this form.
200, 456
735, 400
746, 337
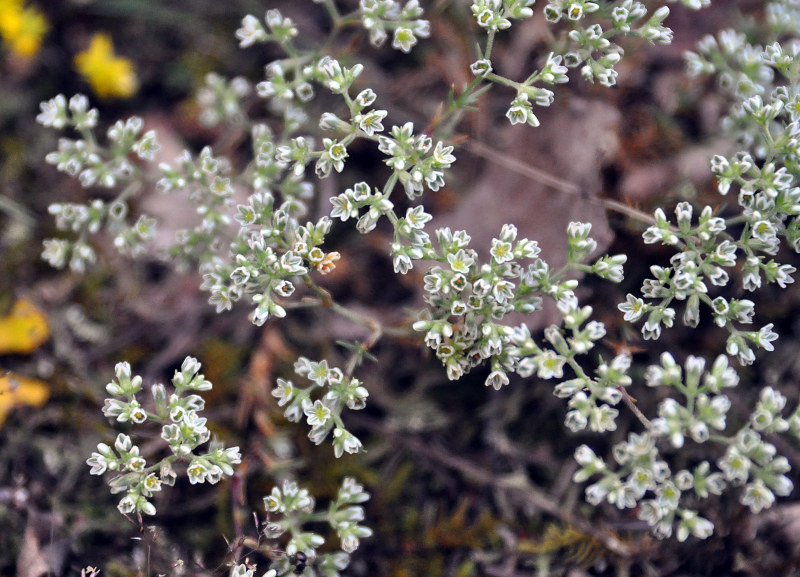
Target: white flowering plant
182, 429
269, 219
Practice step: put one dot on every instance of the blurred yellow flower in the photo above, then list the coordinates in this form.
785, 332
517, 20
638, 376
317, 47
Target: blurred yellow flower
16, 390
23, 329
21, 28
109, 76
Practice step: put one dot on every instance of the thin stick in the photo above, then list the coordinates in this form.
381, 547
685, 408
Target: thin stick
631, 404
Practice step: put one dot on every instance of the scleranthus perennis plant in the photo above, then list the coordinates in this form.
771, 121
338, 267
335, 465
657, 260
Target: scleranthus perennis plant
323, 415
295, 507
182, 429
207, 460
265, 232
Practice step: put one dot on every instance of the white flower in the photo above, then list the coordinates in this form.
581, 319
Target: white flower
404, 39
283, 392
345, 442
98, 463
127, 505
497, 380
54, 112
251, 32
633, 308
371, 123
757, 496
765, 336
735, 466
692, 524
481, 67
366, 97
550, 365
317, 414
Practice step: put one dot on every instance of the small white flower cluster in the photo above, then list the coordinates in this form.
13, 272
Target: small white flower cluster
380, 16
221, 100
768, 198
748, 461
281, 29
349, 204
587, 46
468, 300
95, 165
272, 247
592, 400
323, 415
768, 195
494, 15
295, 506
181, 428
416, 162
270, 251
708, 250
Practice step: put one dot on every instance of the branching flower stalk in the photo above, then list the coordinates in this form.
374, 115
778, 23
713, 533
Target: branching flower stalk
184, 432
182, 429
260, 249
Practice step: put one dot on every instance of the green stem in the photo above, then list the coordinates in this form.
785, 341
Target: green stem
720, 439
129, 191
333, 13
502, 80
487, 52
375, 327
452, 116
